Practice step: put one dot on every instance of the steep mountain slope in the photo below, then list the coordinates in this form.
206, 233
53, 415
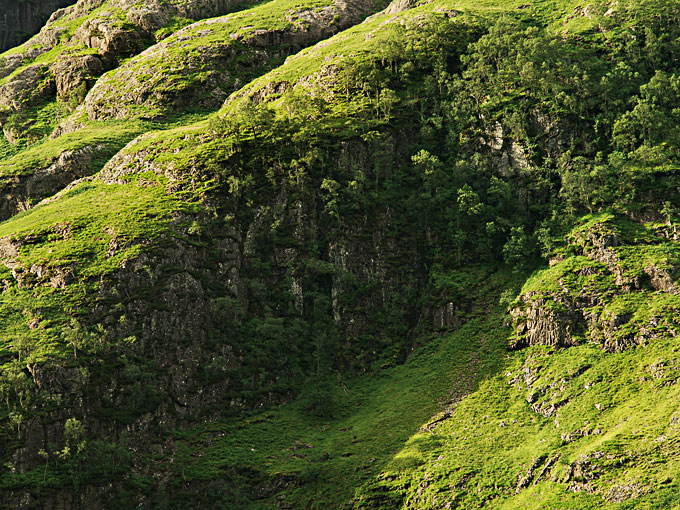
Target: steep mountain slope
21, 19
580, 419
260, 256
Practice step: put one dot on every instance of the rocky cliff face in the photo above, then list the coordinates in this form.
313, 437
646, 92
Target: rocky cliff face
19, 20
225, 281
218, 217
604, 290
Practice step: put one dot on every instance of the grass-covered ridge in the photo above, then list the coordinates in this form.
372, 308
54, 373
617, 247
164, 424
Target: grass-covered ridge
76, 47
204, 62
58, 252
187, 74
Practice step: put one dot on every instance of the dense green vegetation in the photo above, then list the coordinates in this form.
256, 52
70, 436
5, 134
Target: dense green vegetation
428, 262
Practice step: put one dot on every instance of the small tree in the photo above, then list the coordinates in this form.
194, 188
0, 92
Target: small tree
668, 211
519, 249
43, 453
74, 433
388, 98
432, 172
74, 336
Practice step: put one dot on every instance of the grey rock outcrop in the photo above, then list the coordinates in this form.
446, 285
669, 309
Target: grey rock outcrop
19, 192
579, 308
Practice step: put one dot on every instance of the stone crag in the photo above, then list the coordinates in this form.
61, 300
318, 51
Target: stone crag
21, 19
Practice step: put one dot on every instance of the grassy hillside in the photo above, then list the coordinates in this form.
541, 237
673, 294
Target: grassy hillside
298, 256
302, 461
558, 426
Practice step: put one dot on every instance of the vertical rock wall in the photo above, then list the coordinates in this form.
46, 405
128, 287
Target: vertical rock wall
20, 19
